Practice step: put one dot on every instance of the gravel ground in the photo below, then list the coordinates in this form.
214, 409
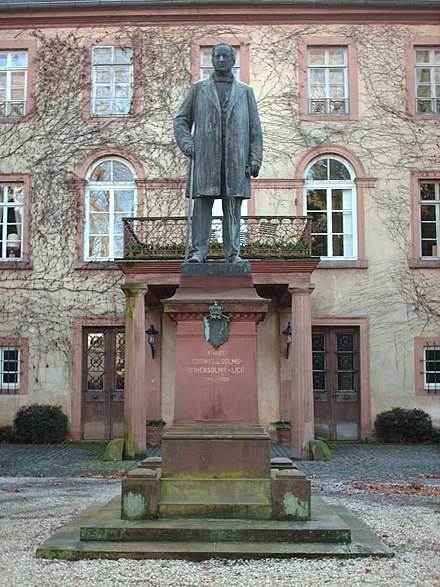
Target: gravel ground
31, 509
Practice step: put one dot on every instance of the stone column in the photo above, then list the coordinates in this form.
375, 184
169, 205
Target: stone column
302, 374
285, 367
135, 393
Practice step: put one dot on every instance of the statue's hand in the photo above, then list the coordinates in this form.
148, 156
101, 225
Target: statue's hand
189, 151
255, 168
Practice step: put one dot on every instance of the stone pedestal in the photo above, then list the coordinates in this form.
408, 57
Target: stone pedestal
213, 494
216, 455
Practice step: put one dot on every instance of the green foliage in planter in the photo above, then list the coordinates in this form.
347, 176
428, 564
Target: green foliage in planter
284, 424
155, 251
403, 425
156, 423
7, 434
256, 249
40, 424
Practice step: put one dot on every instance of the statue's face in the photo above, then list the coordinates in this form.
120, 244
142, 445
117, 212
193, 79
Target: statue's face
223, 59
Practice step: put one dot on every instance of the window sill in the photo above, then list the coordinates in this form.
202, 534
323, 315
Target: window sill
424, 263
93, 265
327, 117
14, 119
18, 264
343, 264
95, 118
417, 116
426, 393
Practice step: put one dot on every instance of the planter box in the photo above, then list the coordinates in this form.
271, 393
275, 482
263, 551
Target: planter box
284, 435
154, 435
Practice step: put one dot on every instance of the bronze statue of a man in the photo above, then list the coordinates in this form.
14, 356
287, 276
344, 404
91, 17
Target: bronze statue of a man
227, 147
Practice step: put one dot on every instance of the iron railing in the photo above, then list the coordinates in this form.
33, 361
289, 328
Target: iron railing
261, 237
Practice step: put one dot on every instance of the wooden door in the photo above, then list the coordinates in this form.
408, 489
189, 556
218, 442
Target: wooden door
103, 383
336, 385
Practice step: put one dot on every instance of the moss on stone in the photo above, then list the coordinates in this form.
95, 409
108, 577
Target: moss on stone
114, 450
319, 450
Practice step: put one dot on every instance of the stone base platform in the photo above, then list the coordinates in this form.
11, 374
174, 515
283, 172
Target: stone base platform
99, 532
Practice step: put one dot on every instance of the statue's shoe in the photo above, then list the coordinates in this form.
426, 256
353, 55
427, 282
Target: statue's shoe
236, 259
196, 259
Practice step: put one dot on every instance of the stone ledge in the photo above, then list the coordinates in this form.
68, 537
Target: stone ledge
66, 543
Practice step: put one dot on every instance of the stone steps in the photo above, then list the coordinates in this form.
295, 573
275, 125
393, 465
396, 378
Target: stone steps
98, 532
223, 510
327, 527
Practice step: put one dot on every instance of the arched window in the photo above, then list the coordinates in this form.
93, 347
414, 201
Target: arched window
330, 198
110, 197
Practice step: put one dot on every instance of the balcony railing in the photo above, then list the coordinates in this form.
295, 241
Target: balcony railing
261, 237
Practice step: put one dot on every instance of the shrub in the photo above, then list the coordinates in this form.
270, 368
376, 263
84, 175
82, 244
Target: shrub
40, 424
435, 436
7, 434
158, 423
403, 425
282, 424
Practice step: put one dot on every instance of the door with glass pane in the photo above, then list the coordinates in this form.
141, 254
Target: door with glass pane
103, 383
336, 385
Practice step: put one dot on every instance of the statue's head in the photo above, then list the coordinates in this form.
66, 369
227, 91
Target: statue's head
223, 57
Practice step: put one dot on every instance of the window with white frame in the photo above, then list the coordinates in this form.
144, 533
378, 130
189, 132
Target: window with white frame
431, 367
427, 79
206, 67
327, 81
330, 199
11, 220
13, 83
111, 195
429, 207
112, 81
9, 369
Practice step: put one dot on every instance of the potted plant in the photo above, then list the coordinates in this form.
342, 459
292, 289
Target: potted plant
154, 430
284, 431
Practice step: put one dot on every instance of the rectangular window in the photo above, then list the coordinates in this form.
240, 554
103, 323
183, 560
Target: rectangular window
11, 220
9, 369
206, 67
427, 80
327, 81
332, 222
429, 206
427, 365
431, 367
13, 83
112, 81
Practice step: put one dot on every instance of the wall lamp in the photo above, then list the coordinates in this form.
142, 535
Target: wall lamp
152, 338
288, 338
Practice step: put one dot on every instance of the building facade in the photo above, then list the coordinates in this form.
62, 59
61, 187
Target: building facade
349, 97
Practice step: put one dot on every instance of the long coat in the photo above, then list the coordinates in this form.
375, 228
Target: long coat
243, 137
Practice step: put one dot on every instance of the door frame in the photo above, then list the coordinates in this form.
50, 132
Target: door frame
363, 324
112, 398
77, 368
